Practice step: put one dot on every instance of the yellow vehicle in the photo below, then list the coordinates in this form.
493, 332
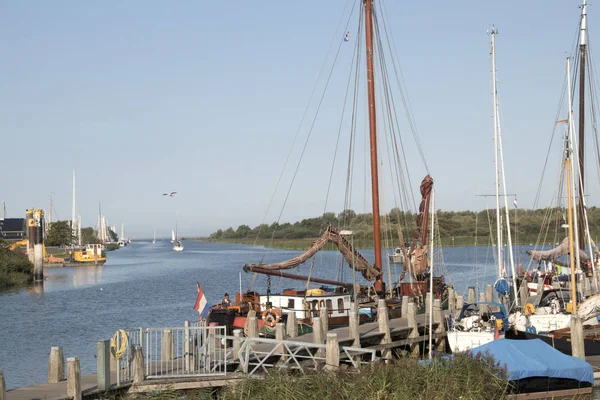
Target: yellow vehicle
24, 242
92, 254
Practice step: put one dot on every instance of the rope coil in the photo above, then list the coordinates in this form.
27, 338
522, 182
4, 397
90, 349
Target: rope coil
118, 353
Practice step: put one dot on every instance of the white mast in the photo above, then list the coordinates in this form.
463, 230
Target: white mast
573, 157
122, 230
583, 30
493, 32
79, 230
73, 222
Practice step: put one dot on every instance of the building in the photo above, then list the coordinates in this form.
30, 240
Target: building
13, 228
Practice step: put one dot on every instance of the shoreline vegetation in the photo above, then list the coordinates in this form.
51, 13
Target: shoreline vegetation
457, 228
15, 268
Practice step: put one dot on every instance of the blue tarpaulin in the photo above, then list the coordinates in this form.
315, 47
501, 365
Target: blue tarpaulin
534, 358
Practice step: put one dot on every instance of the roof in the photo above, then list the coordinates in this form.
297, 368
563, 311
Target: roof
12, 225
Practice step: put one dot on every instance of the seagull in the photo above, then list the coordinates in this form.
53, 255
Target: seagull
171, 194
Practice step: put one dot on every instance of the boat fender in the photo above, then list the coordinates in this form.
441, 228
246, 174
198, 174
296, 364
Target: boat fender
529, 309
270, 317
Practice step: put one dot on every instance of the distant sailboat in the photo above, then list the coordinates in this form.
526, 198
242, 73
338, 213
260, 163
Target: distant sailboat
172, 236
178, 245
154, 240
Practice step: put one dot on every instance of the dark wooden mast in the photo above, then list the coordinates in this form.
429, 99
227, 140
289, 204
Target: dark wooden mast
581, 153
368, 4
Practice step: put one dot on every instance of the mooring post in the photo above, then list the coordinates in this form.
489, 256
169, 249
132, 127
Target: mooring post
577, 346
280, 335
384, 326
292, 325
324, 314
2, 386
332, 353
138, 366
38, 246
482, 296
523, 292
489, 293
103, 364
427, 302
56, 365
414, 331
404, 306
252, 327
354, 324
439, 320
540, 286
167, 345
460, 302
237, 343
471, 295
317, 328
451, 300
73, 378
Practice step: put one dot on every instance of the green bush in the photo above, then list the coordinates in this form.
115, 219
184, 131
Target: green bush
15, 268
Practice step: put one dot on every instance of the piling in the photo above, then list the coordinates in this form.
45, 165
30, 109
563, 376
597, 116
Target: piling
30, 236
292, 325
540, 286
471, 295
324, 314
38, 246
482, 296
138, 366
56, 365
384, 326
166, 353
280, 335
439, 320
404, 306
332, 353
252, 327
414, 331
577, 346
317, 328
103, 364
73, 378
237, 343
451, 300
460, 302
2, 386
427, 302
523, 292
489, 293
353, 325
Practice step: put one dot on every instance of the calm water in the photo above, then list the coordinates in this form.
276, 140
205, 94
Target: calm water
146, 285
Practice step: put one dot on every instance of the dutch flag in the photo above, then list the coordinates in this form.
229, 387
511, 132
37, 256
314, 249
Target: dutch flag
515, 203
201, 302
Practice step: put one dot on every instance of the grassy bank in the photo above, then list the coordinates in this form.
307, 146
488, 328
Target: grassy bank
15, 268
463, 377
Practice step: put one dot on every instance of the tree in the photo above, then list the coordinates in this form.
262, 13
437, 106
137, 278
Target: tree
60, 234
88, 235
112, 236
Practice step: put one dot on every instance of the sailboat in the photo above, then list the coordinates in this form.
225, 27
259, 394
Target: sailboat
172, 236
340, 297
178, 246
154, 239
479, 323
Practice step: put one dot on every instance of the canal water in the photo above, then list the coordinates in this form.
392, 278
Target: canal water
149, 285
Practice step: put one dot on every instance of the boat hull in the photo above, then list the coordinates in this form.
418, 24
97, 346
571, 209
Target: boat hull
461, 341
560, 343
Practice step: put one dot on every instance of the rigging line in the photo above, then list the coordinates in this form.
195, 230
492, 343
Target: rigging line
304, 115
356, 49
593, 95
312, 126
401, 85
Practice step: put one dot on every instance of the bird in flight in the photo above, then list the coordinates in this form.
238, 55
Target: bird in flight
169, 194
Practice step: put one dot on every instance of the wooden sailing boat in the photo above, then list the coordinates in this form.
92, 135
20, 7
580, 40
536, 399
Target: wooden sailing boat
344, 297
177, 246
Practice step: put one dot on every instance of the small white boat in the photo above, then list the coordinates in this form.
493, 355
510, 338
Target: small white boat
178, 246
154, 240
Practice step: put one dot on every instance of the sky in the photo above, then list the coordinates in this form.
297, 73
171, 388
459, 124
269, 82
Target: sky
205, 98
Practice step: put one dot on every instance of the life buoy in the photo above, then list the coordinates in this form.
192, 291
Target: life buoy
270, 317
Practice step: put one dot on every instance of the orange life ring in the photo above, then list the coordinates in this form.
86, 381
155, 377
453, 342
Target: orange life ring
270, 317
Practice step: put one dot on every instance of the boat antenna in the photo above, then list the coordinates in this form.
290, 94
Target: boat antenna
379, 284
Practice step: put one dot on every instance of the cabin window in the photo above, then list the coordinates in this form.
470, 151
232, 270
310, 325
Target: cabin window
321, 304
315, 304
329, 306
291, 303
340, 305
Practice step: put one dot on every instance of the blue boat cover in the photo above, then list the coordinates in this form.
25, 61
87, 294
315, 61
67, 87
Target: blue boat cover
531, 358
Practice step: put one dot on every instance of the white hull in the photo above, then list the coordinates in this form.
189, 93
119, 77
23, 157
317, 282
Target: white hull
178, 248
460, 341
549, 322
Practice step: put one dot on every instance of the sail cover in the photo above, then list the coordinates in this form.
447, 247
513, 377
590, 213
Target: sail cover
368, 271
552, 254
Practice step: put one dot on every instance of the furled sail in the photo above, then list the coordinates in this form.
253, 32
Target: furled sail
552, 254
418, 249
330, 236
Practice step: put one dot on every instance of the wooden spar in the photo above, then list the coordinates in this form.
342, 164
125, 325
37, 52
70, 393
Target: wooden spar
259, 270
571, 243
581, 153
373, 141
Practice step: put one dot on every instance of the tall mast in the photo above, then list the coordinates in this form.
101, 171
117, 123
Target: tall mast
73, 228
493, 32
581, 152
373, 141
50, 222
570, 176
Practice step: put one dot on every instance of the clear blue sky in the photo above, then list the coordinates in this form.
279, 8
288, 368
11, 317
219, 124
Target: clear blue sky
204, 97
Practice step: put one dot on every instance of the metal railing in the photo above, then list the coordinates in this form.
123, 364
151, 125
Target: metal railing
135, 337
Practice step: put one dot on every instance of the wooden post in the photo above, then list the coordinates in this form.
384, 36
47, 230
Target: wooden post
237, 343
73, 378
103, 364
540, 286
427, 302
332, 352
451, 300
577, 346
324, 313
252, 327
460, 302
280, 335
482, 297
471, 295
412, 323
439, 320
292, 325
2, 386
56, 365
489, 293
523, 292
138, 366
404, 306
167, 345
384, 326
317, 333
353, 325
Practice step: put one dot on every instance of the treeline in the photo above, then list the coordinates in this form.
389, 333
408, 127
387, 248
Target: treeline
526, 225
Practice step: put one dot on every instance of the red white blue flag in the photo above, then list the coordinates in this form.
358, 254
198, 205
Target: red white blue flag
201, 302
